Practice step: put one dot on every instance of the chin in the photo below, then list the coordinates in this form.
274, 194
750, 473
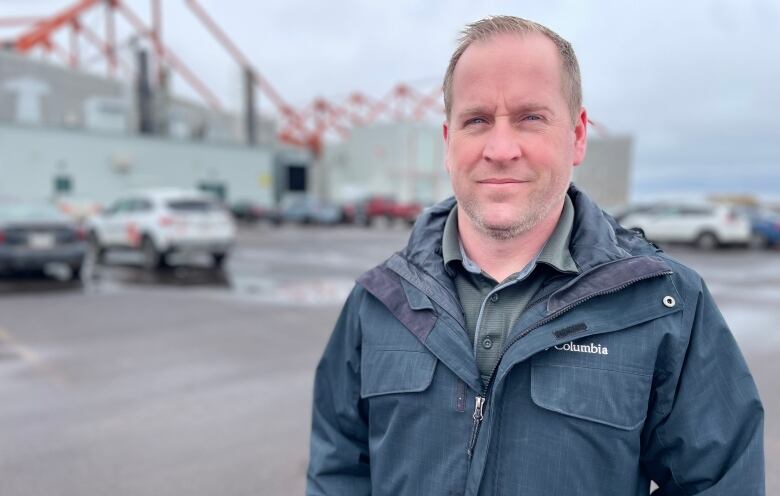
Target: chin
501, 214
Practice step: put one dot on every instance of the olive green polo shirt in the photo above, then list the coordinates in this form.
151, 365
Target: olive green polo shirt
491, 308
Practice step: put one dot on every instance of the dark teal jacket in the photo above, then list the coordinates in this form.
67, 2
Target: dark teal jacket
623, 374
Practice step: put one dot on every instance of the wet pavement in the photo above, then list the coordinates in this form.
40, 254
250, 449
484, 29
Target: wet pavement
196, 381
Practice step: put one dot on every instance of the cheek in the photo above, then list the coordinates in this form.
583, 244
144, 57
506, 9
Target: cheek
463, 154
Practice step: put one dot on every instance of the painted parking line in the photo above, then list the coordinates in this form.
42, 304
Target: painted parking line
30, 357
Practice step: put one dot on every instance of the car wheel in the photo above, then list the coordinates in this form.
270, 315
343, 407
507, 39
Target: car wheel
153, 259
219, 259
94, 246
758, 241
75, 273
707, 241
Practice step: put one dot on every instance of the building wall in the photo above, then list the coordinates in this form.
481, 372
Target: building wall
402, 160
37, 93
101, 166
606, 172
33, 92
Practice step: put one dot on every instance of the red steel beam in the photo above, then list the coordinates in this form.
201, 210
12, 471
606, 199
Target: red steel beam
110, 37
431, 101
37, 35
75, 52
286, 110
171, 58
157, 37
93, 38
11, 22
220, 35
52, 46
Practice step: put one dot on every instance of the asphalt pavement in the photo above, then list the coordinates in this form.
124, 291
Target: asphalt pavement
195, 381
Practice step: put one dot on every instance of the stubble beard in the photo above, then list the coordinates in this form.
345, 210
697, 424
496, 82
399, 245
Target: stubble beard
539, 206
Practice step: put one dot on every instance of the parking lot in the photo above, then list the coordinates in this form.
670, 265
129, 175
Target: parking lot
196, 381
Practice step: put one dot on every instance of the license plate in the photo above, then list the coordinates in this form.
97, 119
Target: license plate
40, 241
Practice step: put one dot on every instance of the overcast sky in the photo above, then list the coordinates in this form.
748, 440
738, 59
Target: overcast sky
695, 81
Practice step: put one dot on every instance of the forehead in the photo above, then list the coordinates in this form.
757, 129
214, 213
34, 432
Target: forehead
511, 65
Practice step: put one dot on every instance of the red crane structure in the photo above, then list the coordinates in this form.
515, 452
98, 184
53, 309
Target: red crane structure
306, 126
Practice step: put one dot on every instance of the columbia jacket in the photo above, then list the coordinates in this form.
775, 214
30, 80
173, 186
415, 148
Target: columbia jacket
613, 377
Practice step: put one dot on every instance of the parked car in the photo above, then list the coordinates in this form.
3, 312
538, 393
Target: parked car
249, 211
622, 211
764, 226
306, 210
704, 225
406, 212
364, 212
245, 211
164, 221
34, 235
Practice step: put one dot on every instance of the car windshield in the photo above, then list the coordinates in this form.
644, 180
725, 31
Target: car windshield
30, 212
193, 205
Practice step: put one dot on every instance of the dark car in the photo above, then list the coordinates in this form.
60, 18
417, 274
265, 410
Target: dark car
250, 212
306, 210
765, 228
366, 210
34, 236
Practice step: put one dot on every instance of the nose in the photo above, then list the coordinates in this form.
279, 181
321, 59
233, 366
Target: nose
502, 143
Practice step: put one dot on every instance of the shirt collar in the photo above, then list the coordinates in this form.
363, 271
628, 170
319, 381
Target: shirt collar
555, 252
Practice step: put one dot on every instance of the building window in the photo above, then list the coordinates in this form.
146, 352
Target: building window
219, 190
63, 185
296, 178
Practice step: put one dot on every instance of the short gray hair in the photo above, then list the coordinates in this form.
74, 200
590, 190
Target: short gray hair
489, 27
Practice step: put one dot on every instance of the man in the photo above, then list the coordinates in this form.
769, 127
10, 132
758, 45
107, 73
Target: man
523, 342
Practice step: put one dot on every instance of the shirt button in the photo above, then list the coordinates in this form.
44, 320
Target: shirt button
487, 343
494, 297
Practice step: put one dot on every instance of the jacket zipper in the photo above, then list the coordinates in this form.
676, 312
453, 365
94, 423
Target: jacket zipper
479, 406
479, 403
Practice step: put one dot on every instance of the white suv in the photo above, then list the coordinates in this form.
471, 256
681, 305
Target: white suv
705, 225
163, 221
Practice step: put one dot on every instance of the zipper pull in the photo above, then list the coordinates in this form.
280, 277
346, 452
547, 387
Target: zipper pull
479, 403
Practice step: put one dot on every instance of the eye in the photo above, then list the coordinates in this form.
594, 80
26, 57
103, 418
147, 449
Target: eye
532, 117
475, 121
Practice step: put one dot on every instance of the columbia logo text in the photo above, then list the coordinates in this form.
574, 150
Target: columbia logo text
596, 349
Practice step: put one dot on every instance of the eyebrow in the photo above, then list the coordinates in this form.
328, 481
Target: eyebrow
522, 109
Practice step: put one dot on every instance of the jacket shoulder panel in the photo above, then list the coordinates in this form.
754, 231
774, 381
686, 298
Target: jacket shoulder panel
387, 287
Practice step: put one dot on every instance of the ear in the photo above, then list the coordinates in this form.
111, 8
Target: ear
580, 136
446, 134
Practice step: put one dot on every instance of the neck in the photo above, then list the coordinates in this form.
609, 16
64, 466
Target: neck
503, 257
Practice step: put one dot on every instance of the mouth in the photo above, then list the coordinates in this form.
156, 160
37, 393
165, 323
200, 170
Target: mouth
499, 180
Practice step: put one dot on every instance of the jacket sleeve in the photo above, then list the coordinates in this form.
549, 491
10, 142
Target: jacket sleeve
704, 435
338, 457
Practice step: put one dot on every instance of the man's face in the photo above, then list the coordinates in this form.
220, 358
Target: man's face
511, 141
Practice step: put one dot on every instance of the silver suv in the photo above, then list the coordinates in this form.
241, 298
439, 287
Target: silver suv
163, 221
704, 225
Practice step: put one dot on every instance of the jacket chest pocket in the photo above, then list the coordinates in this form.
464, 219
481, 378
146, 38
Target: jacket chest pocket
615, 398
392, 371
